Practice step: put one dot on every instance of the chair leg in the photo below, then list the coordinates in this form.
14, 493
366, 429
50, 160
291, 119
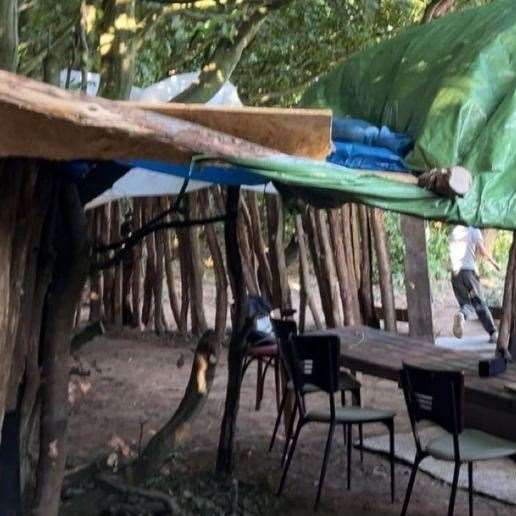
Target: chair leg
350, 444
289, 457
327, 451
361, 441
288, 436
470, 487
391, 458
343, 403
451, 505
410, 485
278, 419
259, 384
277, 381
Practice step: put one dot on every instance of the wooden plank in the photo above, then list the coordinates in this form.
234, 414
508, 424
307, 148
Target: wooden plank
300, 132
42, 121
417, 282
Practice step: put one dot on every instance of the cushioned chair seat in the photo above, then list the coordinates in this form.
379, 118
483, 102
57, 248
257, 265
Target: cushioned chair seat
351, 415
267, 350
473, 444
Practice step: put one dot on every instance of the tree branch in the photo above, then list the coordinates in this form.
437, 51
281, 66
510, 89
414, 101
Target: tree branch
436, 9
134, 239
224, 60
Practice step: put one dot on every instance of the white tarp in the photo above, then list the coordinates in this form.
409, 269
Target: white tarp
141, 182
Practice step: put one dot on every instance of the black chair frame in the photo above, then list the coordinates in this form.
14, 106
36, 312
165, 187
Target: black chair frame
437, 397
315, 360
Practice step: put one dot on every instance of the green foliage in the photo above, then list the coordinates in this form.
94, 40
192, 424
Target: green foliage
304, 39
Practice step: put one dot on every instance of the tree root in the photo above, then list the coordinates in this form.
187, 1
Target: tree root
112, 483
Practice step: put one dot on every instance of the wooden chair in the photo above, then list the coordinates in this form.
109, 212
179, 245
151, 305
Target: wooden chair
314, 360
438, 397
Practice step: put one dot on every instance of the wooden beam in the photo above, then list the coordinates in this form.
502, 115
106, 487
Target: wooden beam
417, 282
42, 121
300, 132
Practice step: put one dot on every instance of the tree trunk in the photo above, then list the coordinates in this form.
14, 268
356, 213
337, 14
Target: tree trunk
347, 287
384, 269
239, 330
195, 270
117, 48
178, 428
107, 274
182, 236
280, 289
9, 35
320, 274
157, 283
223, 61
244, 239
169, 271
264, 270
221, 308
25, 273
117, 277
95, 284
71, 269
136, 283
365, 291
304, 273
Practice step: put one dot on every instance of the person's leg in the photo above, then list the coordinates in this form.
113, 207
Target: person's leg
462, 295
477, 300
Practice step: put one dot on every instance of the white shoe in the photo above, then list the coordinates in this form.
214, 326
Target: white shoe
458, 325
493, 338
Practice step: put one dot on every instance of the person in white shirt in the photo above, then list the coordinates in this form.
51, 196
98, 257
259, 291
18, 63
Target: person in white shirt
465, 243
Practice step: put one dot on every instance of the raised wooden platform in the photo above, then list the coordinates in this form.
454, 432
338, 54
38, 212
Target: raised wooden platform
378, 353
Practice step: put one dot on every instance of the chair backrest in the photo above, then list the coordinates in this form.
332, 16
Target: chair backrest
284, 329
314, 360
436, 396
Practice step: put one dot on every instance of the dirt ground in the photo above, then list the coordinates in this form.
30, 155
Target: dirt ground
137, 380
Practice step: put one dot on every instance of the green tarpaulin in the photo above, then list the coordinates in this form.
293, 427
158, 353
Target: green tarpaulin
449, 84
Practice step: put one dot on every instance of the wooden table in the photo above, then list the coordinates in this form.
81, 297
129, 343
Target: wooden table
378, 353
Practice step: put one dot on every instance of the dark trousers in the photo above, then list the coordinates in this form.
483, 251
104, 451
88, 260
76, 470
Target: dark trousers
467, 290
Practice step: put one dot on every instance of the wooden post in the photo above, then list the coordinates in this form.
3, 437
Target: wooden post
365, 290
504, 333
304, 276
280, 287
417, 282
384, 269
225, 454
347, 288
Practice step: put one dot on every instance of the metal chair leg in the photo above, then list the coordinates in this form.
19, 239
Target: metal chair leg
451, 505
289, 457
277, 381
361, 441
410, 485
470, 487
327, 451
343, 404
288, 435
350, 444
391, 458
259, 384
278, 419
